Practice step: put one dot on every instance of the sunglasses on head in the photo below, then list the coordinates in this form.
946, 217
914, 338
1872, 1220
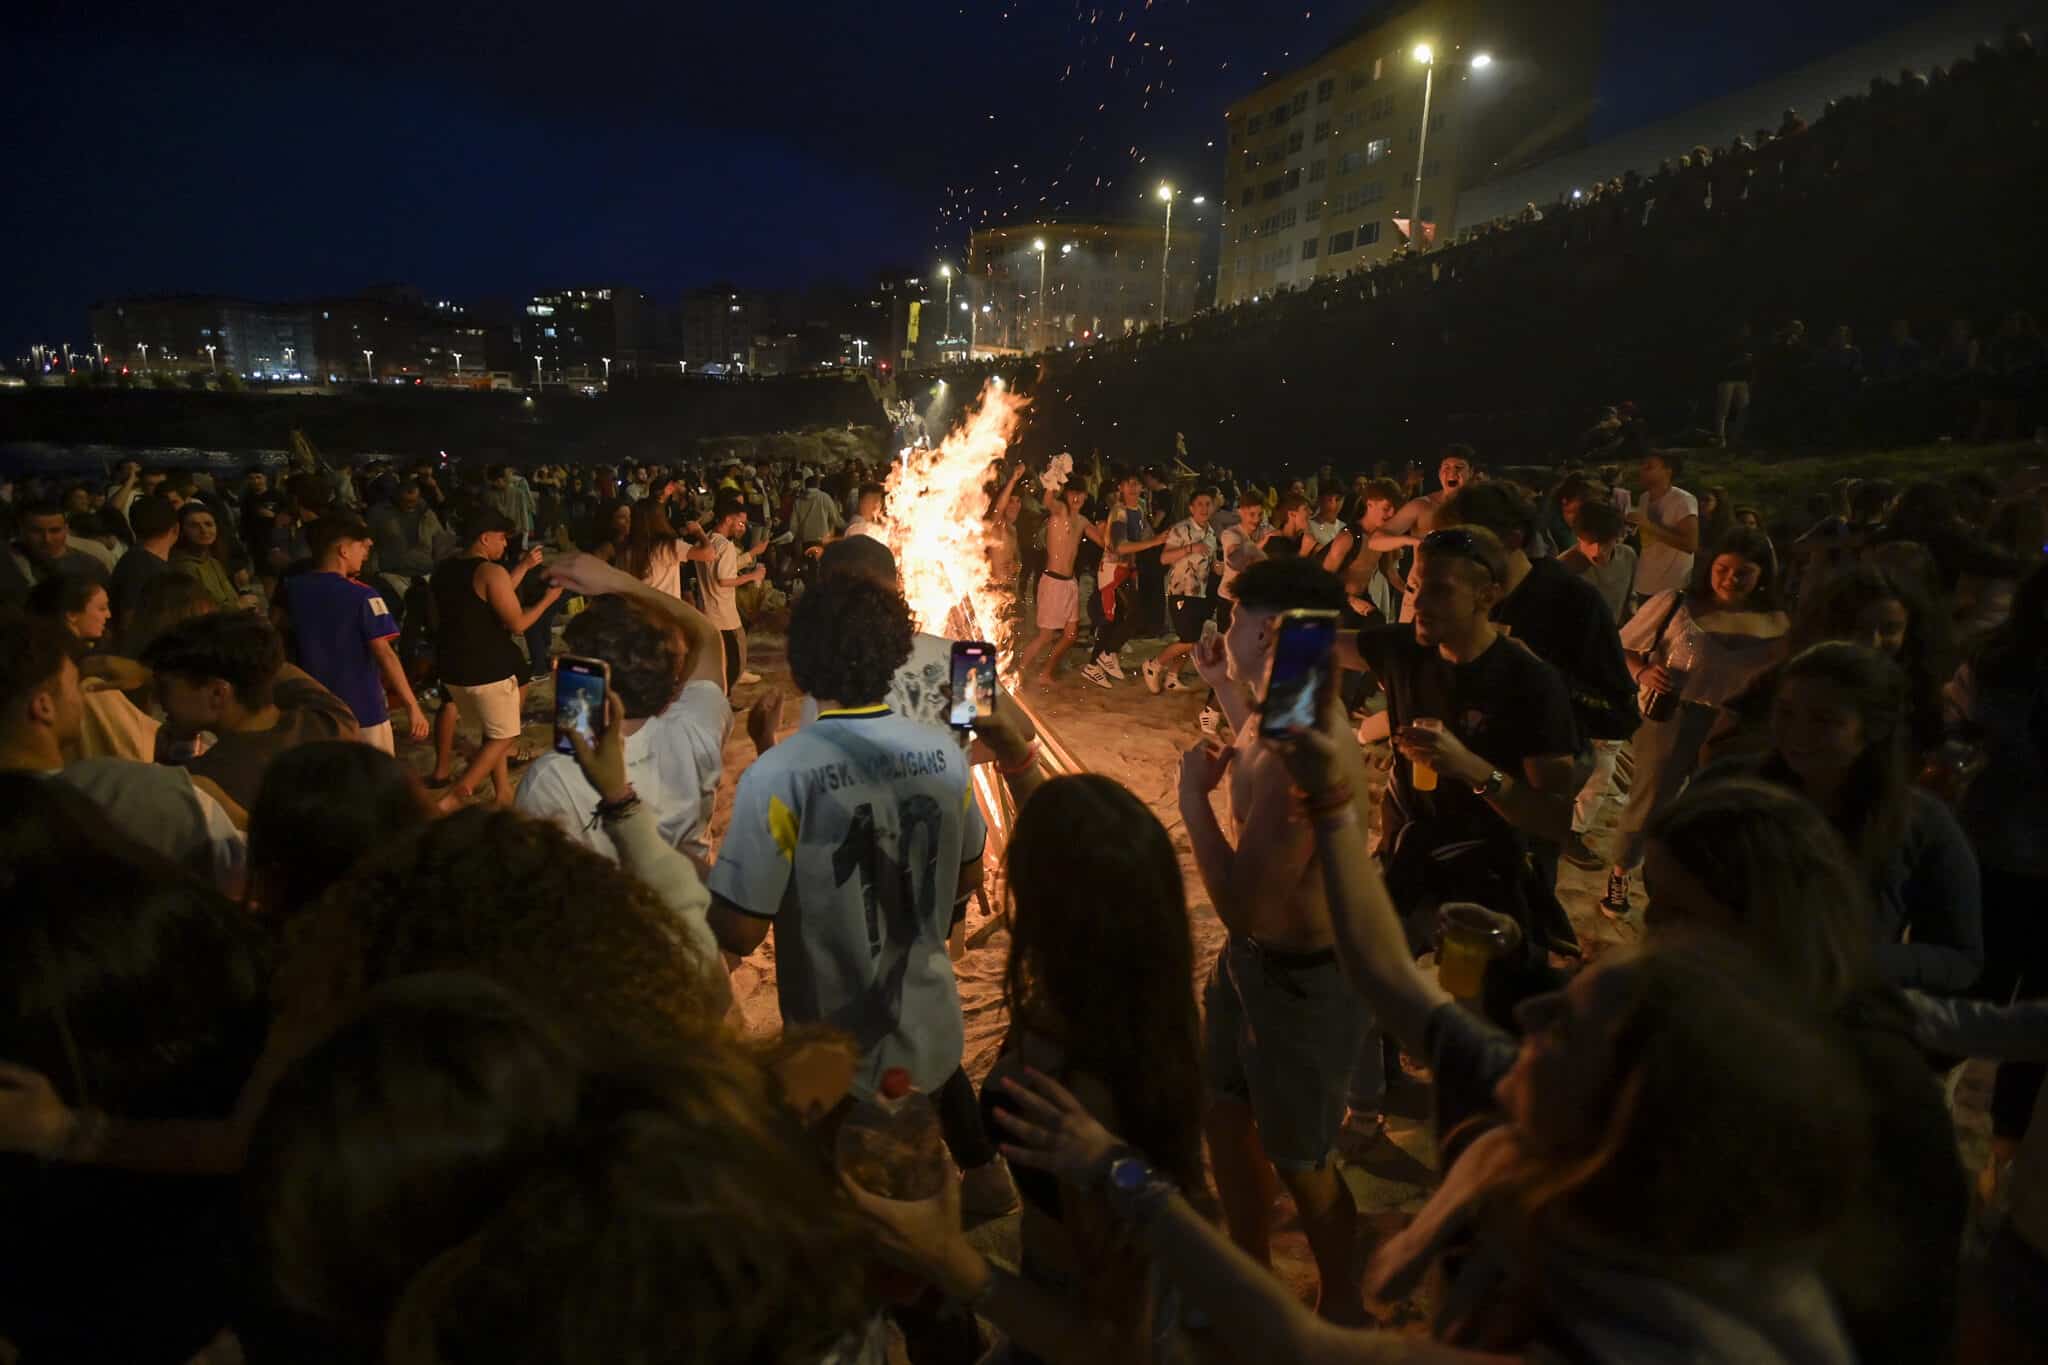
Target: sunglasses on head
1457, 540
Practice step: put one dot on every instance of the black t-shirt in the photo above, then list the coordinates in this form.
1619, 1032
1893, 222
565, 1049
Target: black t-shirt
1506, 706
1565, 620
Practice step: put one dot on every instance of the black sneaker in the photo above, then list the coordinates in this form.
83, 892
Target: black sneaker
1614, 904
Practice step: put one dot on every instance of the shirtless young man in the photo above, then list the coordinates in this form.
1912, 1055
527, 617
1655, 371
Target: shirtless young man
1059, 596
1001, 532
1418, 518
1356, 553
1282, 1027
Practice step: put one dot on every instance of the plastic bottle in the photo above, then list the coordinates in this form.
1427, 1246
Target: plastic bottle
891, 1145
1678, 661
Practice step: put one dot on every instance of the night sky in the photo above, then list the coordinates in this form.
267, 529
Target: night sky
481, 150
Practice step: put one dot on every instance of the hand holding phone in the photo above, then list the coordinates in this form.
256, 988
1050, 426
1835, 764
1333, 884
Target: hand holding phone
1296, 674
581, 686
973, 684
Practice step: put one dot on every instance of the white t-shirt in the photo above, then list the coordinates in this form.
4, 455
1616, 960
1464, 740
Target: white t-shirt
158, 807
674, 763
665, 570
878, 529
1659, 568
721, 604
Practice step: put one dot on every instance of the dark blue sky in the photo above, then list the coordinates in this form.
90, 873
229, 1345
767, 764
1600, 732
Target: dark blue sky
486, 149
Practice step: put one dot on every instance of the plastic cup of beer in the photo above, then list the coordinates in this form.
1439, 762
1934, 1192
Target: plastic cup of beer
1422, 776
1469, 937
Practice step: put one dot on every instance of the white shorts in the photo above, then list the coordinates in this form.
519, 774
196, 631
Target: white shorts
491, 707
1059, 603
377, 736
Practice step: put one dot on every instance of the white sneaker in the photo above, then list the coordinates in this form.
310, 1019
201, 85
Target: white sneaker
1093, 673
746, 680
1174, 684
1151, 672
1111, 665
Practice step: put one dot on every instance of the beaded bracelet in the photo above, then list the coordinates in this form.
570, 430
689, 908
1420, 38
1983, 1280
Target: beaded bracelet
621, 808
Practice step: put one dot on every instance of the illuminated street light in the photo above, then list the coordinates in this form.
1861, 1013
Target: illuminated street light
606, 361
458, 363
1424, 54
1038, 245
368, 368
210, 358
1168, 193
537, 380
946, 274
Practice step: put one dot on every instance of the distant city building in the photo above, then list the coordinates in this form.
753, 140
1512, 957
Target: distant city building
575, 331
172, 333
722, 322
1099, 279
1322, 159
407, 336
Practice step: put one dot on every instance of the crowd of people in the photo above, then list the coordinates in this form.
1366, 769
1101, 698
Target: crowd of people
309, 1054
1623, 287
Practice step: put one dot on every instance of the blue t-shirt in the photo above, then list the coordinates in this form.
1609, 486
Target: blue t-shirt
850, 835
333, 621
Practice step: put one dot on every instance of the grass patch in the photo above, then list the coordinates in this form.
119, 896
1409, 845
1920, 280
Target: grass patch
1779, 484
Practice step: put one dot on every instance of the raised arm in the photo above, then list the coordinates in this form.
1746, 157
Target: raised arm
504, 602
589, 576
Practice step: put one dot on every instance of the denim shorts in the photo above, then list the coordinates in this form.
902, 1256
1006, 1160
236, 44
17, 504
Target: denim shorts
1282, 1031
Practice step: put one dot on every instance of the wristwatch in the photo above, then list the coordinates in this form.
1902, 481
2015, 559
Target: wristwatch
1490, 788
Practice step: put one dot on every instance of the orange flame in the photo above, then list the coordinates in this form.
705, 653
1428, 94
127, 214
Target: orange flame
937, 526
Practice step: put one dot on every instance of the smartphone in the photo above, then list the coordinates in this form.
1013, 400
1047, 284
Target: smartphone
580, 688
974, 684
1294, 678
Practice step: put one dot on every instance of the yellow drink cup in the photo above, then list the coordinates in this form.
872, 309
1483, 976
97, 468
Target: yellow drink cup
1422, 776
1469, 938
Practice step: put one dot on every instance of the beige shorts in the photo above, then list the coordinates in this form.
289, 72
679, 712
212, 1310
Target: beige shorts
1059, 602
491, 707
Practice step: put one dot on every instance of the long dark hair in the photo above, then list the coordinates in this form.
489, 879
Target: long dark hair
1877, 794
2014, 650
1753, 546
1101, 955
1770, 857
1830, 612
651, 531
600, 531
135, 987
322, 807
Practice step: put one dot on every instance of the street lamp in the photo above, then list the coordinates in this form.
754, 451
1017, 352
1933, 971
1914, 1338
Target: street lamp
1423, 53
1167, 192
458, 363
101, 351
210, 358
369, 367
289, 353
946, 274
607, 361
1038, 245
144, 348
537, 380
